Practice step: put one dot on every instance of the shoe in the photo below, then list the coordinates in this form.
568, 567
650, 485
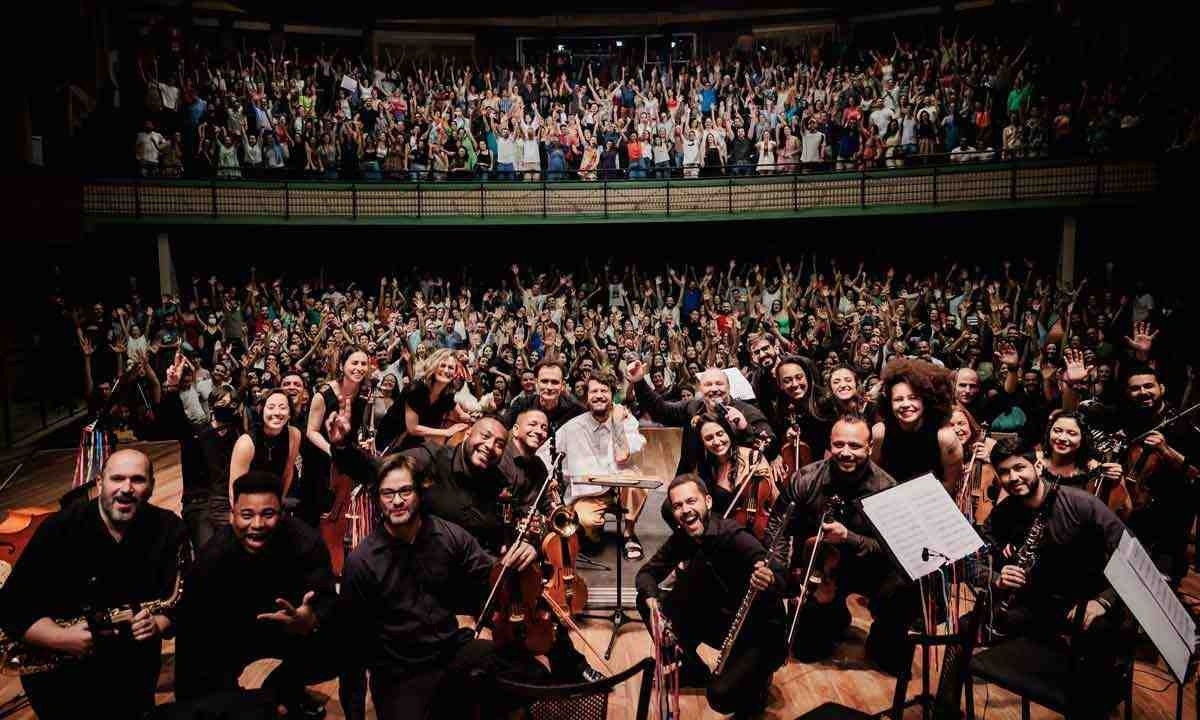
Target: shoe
893, 657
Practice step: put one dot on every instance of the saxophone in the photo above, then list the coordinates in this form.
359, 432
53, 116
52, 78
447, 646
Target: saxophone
771, 538
20, 658
1026, 558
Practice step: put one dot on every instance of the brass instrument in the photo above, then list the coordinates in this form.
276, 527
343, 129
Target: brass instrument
775, 532
1026, 558
20, 658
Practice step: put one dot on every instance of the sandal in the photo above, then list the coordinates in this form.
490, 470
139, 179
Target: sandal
633, 548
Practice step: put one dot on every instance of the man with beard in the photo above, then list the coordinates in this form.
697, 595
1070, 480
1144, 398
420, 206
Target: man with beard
404, 585
749, 424
716, 561
259, 589
118, 550
550, 399
764, 354
1164, 521
1081, 533
865, 566
601, 442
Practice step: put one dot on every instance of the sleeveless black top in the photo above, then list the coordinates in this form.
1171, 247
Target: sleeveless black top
270, 453
907, 455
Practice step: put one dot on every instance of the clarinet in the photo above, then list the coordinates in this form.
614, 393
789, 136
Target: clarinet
1028, 554
775, 531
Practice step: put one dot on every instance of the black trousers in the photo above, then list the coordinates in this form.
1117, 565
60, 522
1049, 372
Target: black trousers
744, 684
196, 517
116, 683
454, 687
207, 664
894, 603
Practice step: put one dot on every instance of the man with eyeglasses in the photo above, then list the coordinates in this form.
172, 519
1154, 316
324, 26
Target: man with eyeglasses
401, 625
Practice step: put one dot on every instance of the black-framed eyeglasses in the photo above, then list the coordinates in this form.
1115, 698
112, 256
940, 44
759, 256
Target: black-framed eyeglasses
404, 493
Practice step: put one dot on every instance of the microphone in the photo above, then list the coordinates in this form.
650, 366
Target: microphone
926, 553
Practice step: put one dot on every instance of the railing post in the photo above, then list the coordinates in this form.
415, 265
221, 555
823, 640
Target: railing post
213, 185
605, 198
795, 193
544, 196
481, 212
1012, 183
730, 194
419, 197
862, 190
287, 200
137, 198
354, 201
935, 177
668, 193
1099, 177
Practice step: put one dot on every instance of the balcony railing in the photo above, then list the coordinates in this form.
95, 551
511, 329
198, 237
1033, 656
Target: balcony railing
567, 197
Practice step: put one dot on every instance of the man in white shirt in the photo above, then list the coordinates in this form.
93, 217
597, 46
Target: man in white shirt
147, 147
506, 153
600, 442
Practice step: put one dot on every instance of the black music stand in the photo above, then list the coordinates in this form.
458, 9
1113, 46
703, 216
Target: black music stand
619, 617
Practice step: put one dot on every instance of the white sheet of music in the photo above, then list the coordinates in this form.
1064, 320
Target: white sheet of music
739, 386
1158, 610
920, 514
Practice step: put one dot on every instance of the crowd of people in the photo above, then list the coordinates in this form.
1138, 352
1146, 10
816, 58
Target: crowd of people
336, 114
440, 397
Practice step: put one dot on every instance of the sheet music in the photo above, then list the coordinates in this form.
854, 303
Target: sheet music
739, 386
1160, 613
920, 514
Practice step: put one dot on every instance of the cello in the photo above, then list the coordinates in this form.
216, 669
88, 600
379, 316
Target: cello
514, 606
16, 530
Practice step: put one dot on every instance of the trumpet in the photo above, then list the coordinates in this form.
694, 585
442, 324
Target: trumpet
563, 521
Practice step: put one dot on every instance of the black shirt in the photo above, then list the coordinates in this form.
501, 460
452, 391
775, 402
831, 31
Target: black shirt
73, 562
228, 587
429, 413
566, 409
813, 486
712, 585
525, 476
1081, 535
400, 599
460, 492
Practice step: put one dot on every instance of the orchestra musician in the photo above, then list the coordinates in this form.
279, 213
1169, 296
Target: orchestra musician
427, 411
864, 565
601, 442
525, 472
794, 412
748, 422
315, 493
549, 396
1065, 455
97, 555
913, 439
720, 561
403, 586
1068, 570
263, 587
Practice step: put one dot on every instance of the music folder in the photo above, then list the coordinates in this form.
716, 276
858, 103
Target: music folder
1154, 605
921, 525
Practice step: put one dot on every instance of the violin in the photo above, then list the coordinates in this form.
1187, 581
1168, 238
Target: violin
514, 607
795, 453
1113, 493
16, 530
976, 499
751, 505
820, 560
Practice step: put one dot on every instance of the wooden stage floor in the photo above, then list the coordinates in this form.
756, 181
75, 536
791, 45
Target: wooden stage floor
846, 678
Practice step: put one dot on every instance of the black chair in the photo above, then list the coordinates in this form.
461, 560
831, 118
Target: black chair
1045, 672
579, 701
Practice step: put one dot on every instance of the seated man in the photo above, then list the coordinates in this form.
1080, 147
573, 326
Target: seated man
101, 554
865, 566
600, 442
404, 585
716, 560
259, 589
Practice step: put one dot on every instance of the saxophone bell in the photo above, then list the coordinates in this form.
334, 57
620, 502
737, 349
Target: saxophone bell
564, 521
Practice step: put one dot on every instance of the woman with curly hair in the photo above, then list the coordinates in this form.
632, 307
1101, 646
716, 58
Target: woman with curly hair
913, 437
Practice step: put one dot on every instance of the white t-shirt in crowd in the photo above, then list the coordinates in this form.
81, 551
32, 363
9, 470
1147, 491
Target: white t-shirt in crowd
147, 146
810, 147
505, 150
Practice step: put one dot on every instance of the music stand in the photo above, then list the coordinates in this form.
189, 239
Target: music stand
616, 483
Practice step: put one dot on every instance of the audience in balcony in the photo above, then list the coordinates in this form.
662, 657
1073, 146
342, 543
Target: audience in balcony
332, 114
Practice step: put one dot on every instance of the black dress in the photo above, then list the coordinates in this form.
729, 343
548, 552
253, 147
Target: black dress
429, 413
313, 489
911, 454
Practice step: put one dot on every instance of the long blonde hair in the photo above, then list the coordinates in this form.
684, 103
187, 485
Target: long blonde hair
429, 366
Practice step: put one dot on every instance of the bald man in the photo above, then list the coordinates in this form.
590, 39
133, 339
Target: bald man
750, 426
114, 551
